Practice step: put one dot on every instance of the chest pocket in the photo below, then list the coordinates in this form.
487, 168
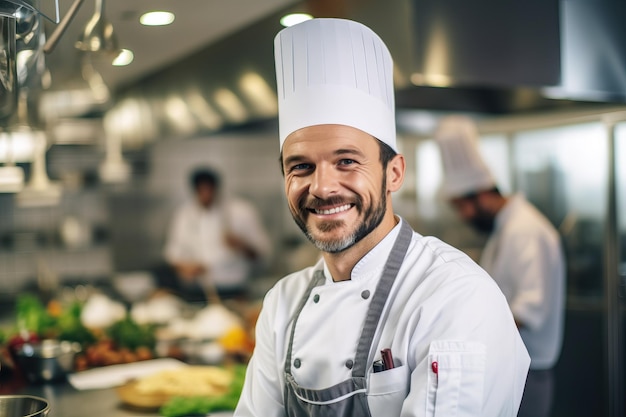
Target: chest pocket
387, 391
455, 368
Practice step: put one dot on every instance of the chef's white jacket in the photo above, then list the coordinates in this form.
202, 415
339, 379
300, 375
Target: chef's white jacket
524, 256
196, 234
442, 308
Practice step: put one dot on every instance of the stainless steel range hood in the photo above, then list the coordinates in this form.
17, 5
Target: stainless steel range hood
478, 56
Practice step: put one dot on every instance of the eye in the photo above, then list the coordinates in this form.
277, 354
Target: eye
347, 162
300, 167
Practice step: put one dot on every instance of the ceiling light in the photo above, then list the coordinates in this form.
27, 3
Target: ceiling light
259, 94
124, 58
232, 108
158, 18
294, 19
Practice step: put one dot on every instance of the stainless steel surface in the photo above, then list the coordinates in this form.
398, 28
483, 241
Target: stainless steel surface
613, 306
47, 361
486, 42
60, 29
8, 69
99, 35
65, 401
23, 406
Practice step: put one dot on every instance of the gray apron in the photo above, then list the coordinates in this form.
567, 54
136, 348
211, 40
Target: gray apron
347, 398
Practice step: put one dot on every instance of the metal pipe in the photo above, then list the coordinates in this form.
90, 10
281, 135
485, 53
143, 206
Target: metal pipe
613, 313
8, 69
60, 29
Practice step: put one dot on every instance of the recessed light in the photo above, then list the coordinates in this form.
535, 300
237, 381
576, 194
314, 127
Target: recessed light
157, 18
125, 57
294, 19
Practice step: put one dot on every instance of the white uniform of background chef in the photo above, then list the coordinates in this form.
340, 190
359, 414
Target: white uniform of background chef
454, 344
523, 254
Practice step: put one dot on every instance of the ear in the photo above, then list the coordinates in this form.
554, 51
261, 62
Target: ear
395, 173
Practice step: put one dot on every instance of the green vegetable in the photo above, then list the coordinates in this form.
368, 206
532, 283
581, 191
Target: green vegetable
130, 334
70, 327
32, 315
190, 406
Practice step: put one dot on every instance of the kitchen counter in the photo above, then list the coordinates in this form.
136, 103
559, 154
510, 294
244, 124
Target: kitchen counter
66, 401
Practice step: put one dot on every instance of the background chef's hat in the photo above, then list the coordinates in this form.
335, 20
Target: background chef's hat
465, 171
334, 71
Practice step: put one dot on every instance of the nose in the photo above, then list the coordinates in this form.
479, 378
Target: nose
324, 182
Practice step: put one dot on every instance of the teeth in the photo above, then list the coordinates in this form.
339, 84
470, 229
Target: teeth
334, 210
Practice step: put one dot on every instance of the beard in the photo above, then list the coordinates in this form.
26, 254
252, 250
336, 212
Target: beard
372, 216
482, 221
483, 225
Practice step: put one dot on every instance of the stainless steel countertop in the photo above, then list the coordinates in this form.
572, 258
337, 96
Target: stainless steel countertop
66, 401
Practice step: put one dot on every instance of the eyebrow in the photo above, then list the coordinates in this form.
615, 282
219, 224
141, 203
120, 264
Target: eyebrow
349, 151
343, 151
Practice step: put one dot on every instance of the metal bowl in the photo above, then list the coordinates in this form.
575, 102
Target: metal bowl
23, 406
48, 360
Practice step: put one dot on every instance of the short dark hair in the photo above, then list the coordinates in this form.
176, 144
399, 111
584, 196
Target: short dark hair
386, 154
204, 176
473, 194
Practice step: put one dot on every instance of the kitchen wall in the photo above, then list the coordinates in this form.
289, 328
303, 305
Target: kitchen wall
100, 229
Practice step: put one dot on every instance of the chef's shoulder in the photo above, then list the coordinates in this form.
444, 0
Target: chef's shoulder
447, 286
287, 292
435, 264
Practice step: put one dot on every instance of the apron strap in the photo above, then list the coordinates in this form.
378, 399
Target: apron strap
390, 271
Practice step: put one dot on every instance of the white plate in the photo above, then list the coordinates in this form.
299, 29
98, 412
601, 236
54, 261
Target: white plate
116, 375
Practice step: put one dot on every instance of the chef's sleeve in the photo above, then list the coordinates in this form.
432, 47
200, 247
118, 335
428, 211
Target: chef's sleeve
534, 264
262, 394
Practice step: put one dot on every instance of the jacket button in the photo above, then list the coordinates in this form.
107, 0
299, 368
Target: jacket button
296, 363
365, 294
316, 298
349, 364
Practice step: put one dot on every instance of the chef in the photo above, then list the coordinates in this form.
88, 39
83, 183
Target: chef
523, 254
215, 241
388, 322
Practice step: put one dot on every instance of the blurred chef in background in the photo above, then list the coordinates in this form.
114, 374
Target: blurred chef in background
214, 242
523, 254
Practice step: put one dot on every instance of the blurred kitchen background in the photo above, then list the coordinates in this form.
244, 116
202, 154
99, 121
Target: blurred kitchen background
104, 151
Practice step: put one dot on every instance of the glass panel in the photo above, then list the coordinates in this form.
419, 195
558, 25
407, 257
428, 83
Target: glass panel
563, 172
620, 153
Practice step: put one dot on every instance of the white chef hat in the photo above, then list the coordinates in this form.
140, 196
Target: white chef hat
334, 71
465, 171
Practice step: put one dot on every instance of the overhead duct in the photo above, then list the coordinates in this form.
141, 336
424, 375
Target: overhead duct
486, 43
593, 51
495, 58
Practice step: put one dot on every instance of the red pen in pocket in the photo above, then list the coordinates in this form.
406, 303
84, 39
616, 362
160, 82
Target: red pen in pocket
387, 358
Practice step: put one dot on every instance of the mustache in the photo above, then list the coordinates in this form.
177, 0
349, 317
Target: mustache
306, 204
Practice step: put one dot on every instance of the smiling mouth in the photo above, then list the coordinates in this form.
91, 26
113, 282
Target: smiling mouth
333, 210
